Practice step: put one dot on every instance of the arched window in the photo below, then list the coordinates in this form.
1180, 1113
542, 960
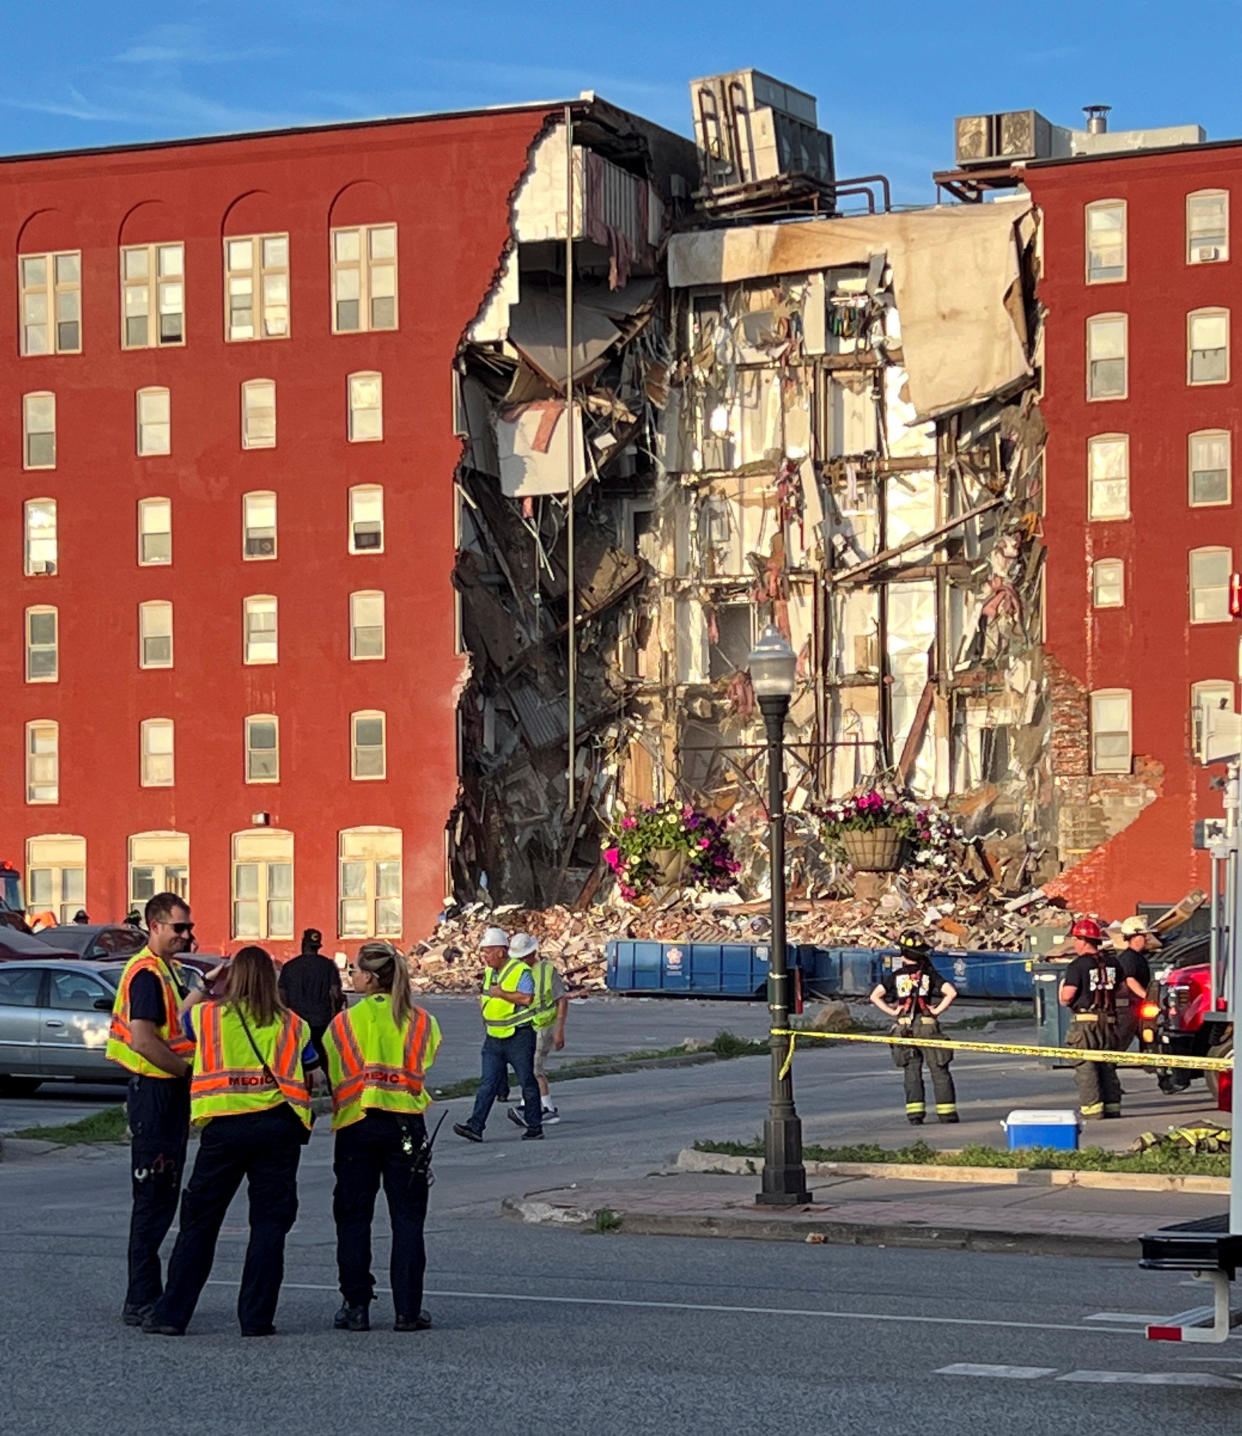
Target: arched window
1108, 583
263, 883
1108, 476
370, 882
366, 519
366, 408
154, 531
366, 625
1207, 346
39, 431
42, 645
258, 399
259, 525
1107, 356
1207, 226
368, 745
42, 550
259, 642
1210, 467
1209, 584
155, 634
154, 418
56, 873
1106, 241
158, 863
42, 761
262, 748
1111, 740
157, 770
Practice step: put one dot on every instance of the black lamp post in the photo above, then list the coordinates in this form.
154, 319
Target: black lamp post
772, 665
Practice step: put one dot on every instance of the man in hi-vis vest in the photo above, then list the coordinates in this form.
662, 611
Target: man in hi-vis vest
507, 1005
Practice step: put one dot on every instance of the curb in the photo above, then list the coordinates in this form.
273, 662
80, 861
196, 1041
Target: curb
688, 1160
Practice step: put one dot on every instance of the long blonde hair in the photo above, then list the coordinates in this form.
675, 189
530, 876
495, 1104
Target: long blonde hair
251, 983
391, 972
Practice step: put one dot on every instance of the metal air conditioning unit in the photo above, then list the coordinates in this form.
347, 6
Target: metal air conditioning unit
1205, 254
1002, 138
750, 128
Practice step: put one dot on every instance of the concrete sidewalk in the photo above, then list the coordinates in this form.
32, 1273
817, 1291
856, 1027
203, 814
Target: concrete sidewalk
859, 1211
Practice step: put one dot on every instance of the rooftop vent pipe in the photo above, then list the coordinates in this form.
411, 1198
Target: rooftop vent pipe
1097, 118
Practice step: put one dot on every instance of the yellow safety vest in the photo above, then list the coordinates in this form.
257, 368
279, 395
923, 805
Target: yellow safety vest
120, 1031
374, 1064
229, 1080
544, 1005
501, 1017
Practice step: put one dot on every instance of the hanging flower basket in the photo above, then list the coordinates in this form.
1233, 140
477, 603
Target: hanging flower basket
873, 850
670, 845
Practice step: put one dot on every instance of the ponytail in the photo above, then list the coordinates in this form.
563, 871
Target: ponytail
392, 973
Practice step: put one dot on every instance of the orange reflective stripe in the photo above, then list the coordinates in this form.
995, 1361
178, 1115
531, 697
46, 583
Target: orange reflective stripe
351, 1053
416, 1044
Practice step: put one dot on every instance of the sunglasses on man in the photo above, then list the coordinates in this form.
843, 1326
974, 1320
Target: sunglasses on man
182, 929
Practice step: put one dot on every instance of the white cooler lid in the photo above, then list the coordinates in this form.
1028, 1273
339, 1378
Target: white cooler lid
1037, 1118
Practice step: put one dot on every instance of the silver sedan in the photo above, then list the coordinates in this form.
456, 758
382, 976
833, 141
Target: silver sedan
54, 1017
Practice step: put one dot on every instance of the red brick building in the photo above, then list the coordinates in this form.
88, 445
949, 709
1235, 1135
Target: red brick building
231, 663
1143, 402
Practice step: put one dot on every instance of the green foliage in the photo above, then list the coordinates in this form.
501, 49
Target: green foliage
729, 1044
606, 1220
107, 1125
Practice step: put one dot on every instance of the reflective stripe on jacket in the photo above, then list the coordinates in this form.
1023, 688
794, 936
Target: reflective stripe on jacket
120, 1032
501, 1017
373, 1063
545, 1005
228, 1078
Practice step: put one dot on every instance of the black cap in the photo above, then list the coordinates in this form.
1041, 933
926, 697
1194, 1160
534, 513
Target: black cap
312, 937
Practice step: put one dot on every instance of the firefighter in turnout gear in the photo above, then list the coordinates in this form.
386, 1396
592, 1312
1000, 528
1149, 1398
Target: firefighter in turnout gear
915, 994
1090, 989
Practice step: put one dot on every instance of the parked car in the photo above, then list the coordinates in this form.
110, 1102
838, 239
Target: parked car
96, 942
54, 1018
26, 947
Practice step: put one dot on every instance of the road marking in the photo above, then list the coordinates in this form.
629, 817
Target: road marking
1152, 1378
1015, 1373
1125, 1316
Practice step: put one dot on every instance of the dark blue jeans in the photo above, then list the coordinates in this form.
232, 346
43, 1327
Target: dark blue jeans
498, 1054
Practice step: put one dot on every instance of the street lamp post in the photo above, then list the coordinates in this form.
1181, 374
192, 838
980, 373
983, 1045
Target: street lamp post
772, 664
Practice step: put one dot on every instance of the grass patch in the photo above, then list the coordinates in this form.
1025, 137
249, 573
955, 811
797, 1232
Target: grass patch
108, 1125
1158, 1162
606, 1220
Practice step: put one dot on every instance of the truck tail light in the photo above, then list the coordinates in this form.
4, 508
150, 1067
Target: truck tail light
1222, 1004
1149, 1010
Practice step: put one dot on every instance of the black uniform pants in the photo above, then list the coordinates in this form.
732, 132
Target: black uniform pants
264, 1148
1099, 1091
380, 1148
158, 1110
911, 1059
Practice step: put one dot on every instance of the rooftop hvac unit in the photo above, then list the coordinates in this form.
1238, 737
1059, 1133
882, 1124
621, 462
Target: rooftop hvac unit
1002, 139
750, 128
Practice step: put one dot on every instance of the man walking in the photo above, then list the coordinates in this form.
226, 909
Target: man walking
310, 985
551, 1006
1089, 990
147, 1039
506, 1003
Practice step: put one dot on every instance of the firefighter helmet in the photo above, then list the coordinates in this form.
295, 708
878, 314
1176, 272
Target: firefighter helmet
1088, 929
912, 944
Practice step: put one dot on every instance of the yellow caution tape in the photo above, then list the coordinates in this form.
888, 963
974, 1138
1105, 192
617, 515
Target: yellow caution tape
1011, 1049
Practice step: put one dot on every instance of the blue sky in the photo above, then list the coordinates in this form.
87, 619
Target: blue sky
889, 78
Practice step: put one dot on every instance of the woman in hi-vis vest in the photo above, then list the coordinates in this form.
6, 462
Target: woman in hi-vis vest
378, 1052
248, 1093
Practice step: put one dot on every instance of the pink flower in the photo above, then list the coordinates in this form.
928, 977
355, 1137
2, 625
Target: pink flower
705, 842
612, 856
628, 822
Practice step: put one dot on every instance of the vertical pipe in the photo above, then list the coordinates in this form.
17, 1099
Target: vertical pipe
1235, 994
570, 496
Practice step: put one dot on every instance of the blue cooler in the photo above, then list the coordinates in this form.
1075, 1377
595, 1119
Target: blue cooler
1042, 1129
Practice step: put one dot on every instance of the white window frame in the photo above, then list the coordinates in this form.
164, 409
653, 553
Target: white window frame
147, 507
1108, 576
29, 433
38, 541
1214, 436
58, 854
42, 610
1211, 312
152, 422
148, 613
1207, 693
56, 293
254, 499
1218, 591
263, 849
1092, 322
359, 495
258, 398
363, 275
1099, 207
157, 292
167, 855
1096, 511
149, 754
1113, 763
358, 417
253, 720
355, 628
253, 606
367, 850
263, 274
38, 730
1201, 249
367, 715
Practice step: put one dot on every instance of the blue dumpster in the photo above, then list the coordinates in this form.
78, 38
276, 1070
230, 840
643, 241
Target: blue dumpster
698, 969
840, 971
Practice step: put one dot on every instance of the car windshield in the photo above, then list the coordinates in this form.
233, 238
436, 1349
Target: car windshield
112, 976
123, 940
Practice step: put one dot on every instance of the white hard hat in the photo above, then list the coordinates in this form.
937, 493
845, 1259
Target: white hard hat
1135, 927
494, 937
521, 944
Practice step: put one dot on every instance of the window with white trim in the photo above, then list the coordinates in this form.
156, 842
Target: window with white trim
154, 531
260, 644
158, 863
262, 748
1207, 226
370, 882
42, 646
1108, 476
1107, 356
154, 422
1108, 583
366, 408
41, 547
256, 287
259, 525
366, 519
51, 302
1207, 346
1106, 241
364, 278
56, 873
263, 884
368, 745
38, 431
366, 625
1209, 584
155, 634
152, 295
1111, 741
258, 414
156, 744
1210, 468
1211, 693
42, 762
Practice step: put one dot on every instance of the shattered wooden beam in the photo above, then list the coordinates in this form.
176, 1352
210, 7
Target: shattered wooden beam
917, 728
848, 575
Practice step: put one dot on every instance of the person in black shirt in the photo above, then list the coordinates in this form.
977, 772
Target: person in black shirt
1089, 989
915, 994
310, 985
1136, 979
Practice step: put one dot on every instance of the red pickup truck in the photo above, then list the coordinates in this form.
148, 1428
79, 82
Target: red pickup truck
1179, 1020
